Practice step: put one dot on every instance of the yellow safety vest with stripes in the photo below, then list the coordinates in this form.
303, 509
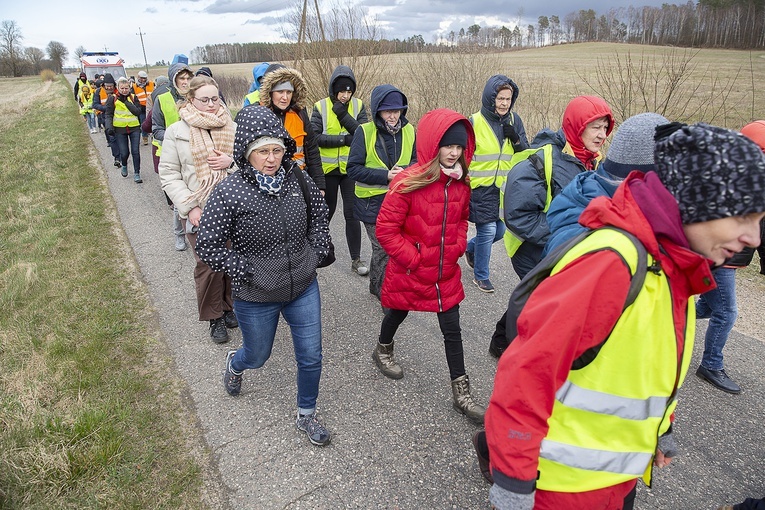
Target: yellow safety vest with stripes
170, 111
364, 190
512, 241
608, 415
87, 104
122, 116
490, 161
335, 157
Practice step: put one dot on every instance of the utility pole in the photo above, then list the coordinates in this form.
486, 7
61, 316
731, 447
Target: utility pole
145, 62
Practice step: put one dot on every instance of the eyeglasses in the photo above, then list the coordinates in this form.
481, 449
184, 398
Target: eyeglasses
278, 152
206, 100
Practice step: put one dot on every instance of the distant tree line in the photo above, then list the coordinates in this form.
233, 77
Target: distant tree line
16, 60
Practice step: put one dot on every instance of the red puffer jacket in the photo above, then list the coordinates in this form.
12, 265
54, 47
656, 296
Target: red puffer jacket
425, 231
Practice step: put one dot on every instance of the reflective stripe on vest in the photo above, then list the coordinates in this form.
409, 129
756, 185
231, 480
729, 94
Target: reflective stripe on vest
513, 242
364, 190
143, 92
253, 98
335, 157
123, 117
169, 112
608, 415
294, 126
490, 162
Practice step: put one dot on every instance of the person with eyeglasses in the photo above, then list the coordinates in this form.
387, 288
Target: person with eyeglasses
196, 157
276, 220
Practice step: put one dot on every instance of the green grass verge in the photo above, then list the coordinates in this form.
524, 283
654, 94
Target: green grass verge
89, 417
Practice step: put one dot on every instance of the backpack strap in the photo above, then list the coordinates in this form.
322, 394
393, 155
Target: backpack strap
543, 270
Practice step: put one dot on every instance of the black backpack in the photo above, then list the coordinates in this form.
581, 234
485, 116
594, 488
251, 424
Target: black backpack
542, 270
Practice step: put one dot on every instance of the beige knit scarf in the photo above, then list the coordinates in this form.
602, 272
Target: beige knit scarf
208, 131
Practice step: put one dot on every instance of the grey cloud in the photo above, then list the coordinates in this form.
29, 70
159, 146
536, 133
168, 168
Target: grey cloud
245, 6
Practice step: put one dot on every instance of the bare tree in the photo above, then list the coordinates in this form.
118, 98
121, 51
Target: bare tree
34, 56
78, 52
57, 53
10, 48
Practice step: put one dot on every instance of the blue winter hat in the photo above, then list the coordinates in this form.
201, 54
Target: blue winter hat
393, 100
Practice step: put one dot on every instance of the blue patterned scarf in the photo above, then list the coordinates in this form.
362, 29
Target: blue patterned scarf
270, 184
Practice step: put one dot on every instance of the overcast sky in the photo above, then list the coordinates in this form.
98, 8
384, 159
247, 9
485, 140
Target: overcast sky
178, 26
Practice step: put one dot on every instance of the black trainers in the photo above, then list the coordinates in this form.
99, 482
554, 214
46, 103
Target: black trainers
117, 163
229, 318
719, 379
484, 285
232, 380
470, 257
218, 331
315, 431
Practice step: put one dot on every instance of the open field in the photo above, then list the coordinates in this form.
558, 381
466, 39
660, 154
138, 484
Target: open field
723, 87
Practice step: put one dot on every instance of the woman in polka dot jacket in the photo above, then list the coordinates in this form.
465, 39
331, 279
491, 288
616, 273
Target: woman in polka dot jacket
275, 249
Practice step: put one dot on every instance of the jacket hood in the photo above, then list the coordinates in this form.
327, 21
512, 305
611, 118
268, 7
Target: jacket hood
173, 71
339, 72
252, 122
379, 93
273, 78
431, 129
489, 97
257, 75
581, 111
548, 136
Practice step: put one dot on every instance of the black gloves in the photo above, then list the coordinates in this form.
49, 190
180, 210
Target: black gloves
340, 109
509, 132
348, 139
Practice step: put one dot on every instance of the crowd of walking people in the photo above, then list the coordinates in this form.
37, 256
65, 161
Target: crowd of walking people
611, 249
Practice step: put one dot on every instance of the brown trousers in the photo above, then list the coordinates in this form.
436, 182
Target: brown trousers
213, 288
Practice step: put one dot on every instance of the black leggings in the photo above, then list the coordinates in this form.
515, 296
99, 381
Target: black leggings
352, 225
448, 321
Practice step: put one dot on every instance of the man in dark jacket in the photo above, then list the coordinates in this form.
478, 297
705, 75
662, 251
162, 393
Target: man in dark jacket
100, 98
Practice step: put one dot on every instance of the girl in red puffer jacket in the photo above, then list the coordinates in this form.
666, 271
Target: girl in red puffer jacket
422, 225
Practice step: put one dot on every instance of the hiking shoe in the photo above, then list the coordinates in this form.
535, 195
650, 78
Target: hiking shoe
137, 178
360, 267
123, 171
470, 257
145, 140
229, 318
218, 331
180, 242
315, 431
118, 163
232, 380
484, 285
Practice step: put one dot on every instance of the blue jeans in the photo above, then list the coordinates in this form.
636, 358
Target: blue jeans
486, 234
91, 118
719, 306
258, 322
134, 139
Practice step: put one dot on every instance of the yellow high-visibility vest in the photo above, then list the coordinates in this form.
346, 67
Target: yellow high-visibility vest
369, 129
335, 157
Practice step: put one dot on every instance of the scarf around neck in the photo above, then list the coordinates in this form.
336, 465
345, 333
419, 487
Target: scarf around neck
393, 129
271, 184
454, 172
208, 131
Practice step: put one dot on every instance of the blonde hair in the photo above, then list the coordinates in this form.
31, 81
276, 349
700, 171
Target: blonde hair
122, 79
422, 175
197, 82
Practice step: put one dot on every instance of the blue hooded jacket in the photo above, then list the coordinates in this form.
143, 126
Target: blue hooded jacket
257, 73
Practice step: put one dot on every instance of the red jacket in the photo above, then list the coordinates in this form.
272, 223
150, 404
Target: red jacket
425, 231
574, 310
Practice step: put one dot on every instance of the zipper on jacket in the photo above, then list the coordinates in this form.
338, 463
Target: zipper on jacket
286, 242
443, 242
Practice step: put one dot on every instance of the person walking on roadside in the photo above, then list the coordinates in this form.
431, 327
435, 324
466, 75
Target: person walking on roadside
81, 81
122, 111
253, 94
86, 107
755, 131
206, 71
143, 89
422, 225
197, 155
380, 151
562, 155
337, 117
284, 92
584, 397
100, 99
276, 221
719, 304
499, 134
164, 113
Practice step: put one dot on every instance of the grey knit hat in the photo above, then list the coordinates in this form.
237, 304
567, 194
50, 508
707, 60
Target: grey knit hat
712, 172
632, 147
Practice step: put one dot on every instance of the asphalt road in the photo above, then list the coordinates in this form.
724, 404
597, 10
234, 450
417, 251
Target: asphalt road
396, 444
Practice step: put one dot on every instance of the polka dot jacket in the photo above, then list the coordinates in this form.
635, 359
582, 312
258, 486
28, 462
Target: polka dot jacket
274, 252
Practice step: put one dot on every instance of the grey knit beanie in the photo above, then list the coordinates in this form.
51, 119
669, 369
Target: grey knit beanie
712, 172
633, 144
